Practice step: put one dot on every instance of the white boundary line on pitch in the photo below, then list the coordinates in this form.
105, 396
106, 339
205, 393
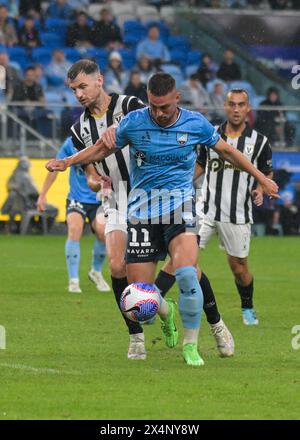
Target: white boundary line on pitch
39, 370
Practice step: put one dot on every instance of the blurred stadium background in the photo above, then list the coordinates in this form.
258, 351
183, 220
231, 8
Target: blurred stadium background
40, 40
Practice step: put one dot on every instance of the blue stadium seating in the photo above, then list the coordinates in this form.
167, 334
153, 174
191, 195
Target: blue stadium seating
128, 57
52, 39
42, 55
72, 54
178, 42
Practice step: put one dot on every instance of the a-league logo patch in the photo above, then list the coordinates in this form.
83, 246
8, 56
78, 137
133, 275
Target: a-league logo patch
140, 158
182, 138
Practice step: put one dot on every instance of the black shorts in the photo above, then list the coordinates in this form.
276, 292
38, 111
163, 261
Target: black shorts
149, 242
86, 210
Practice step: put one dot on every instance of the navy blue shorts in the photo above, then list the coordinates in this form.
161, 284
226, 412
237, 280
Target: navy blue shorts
149, 242
86, 210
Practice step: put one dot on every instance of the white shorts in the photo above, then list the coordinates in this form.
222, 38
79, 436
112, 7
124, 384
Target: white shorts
115, 221
235, 239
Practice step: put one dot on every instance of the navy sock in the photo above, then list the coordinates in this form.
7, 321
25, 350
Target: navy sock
118, 285
246, 294
164, 281
210, 306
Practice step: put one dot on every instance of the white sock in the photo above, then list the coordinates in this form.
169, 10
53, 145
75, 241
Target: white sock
190, 335
163, 309
137, 337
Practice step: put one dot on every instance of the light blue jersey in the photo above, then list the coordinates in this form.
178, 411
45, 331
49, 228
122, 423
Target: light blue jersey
79, 189
162, 160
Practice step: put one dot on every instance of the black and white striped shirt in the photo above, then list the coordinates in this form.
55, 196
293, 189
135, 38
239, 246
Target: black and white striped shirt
227, 191
89, 128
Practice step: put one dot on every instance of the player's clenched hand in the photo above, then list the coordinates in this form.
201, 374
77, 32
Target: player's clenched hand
56, 165
258, 197
109, 137
270, 188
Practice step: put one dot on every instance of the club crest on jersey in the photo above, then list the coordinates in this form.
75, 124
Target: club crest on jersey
117, 117
182, 138
140, 158
249, 149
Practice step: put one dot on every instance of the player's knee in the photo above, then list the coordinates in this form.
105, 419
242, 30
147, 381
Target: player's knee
74, 233
117, 266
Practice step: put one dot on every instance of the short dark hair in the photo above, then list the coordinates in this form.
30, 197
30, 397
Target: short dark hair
161, 83
237, 90
86, 66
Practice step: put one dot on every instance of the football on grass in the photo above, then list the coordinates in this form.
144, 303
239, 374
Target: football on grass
140, 302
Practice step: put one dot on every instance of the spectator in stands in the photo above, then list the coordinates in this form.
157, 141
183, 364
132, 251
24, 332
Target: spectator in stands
207, 70
136, 87
27, 6
12, 77
58, 68
23, 195
217, 98
145, 68
153, 48
13, 9
273, 123
285, 218
194, 95
29, 90
28, 34
40, 77
60, 9
116, 78
79, 33
229, 70
106, 33
8, 35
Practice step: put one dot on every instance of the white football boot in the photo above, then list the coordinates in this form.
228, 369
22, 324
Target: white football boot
136, 349
74, 286
224, 339
97, 278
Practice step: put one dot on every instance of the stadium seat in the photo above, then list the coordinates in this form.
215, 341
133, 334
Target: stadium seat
52, 39
193, 57
118, 8
72, 54
179, 57
167, 14
28, 216
175, 71
179, 42
41, 55
57, 25
128, 57
210, 85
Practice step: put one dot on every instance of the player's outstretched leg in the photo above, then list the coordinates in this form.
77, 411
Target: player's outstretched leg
72, 252
95, 274
222, 335
190, 308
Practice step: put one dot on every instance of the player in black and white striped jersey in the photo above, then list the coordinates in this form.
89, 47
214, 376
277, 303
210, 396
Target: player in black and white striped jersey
228, 192
101, 111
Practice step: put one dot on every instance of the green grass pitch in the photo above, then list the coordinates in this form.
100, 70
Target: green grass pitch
65, 355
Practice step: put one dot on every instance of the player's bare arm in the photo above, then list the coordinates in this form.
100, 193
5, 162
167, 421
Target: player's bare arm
95, 153
94, 180
199, 170
41, 202
236, 158
257, 193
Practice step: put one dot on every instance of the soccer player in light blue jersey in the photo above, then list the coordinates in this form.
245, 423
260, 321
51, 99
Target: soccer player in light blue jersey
81, 204
161, 220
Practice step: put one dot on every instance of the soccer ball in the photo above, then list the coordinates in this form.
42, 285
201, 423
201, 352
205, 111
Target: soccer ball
140, 302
